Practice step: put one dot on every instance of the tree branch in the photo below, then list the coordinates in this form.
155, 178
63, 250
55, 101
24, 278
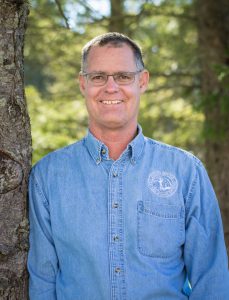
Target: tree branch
90, 9
62, 13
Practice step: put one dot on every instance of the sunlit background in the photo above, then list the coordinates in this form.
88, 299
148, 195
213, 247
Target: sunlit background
57, 30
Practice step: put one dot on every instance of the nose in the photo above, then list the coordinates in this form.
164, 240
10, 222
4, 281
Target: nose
111, 86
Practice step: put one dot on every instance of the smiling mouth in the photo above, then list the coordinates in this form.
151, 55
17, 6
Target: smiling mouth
109, 102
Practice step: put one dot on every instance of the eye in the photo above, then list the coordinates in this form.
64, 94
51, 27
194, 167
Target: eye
124, 77
97, 77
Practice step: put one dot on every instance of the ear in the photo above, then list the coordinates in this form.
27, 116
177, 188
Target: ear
82, 83
144, 81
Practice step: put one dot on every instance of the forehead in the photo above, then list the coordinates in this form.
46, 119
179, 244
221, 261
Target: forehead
111, 58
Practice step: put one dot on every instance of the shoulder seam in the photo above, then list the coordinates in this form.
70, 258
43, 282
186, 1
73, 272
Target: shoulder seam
190, 193
177, 149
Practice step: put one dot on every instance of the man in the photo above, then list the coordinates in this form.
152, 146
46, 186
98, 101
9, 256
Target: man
118, 215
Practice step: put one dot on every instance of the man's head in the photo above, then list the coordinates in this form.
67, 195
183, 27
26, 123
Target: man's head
112, 79
113, 39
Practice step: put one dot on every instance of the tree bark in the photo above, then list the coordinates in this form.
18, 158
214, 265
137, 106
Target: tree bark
213, 28
15, 152
117, 16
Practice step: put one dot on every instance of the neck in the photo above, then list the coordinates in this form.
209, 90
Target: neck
115, 139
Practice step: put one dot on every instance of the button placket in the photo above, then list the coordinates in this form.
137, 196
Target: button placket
116, 232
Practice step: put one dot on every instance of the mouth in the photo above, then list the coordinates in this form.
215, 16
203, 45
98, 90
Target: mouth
110, 102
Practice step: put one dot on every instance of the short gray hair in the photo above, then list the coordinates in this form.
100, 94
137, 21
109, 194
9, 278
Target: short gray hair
115, 39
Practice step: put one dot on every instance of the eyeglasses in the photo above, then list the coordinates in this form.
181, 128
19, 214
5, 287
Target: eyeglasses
121, 78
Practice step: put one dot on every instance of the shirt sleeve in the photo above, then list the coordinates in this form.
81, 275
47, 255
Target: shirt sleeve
205, 253
42, 258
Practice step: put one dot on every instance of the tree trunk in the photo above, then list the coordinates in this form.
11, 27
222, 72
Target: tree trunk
117, 16
15, 152
213, 28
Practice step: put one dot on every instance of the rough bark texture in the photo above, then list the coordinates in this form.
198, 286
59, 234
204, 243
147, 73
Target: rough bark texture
213, 27
15, 152
117, 16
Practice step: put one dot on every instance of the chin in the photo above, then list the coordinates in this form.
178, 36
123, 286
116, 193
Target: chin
112, 123
115, 124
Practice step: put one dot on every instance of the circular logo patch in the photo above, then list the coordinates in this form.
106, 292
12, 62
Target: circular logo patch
162, 184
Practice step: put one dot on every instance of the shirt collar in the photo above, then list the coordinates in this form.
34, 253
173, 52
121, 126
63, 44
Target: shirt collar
99, 150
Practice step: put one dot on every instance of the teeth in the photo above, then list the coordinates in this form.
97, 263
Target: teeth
111, 101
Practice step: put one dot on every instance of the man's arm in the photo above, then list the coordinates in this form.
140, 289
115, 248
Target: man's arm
205, 252
42, 259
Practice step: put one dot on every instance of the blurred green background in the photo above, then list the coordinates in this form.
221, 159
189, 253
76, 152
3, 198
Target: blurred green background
170, 110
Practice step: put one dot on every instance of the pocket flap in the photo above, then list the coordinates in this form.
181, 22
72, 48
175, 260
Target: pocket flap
160, 210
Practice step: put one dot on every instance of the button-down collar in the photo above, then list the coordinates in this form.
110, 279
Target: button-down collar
99, 150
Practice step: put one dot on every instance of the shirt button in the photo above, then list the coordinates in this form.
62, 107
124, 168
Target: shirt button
115, 174
116, 238
115, 205
117, 270
104, 151
133, 161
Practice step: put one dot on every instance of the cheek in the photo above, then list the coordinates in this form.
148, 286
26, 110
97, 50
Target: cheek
132, 91
92, 94
91, 105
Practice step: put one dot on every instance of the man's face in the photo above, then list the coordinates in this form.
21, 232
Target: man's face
112, 106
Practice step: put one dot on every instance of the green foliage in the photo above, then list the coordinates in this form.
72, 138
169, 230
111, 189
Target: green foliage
167, 34
215, 103
54, 123
222, 72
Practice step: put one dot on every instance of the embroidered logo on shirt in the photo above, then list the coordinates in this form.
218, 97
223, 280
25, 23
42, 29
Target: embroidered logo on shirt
162, 184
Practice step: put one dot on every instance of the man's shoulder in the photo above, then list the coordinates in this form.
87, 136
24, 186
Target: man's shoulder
60, 156
170, 151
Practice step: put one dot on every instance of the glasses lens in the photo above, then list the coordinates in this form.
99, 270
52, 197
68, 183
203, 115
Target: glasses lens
97, 78
121, 78
124, 77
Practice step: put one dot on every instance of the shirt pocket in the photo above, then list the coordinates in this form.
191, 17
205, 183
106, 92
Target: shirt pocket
160, 229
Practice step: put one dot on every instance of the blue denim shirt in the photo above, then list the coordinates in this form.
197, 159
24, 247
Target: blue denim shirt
133, 228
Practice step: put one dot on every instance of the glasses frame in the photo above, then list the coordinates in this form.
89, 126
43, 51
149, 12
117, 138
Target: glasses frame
113, 75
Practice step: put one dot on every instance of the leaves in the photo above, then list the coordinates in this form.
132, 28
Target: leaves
167, 34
